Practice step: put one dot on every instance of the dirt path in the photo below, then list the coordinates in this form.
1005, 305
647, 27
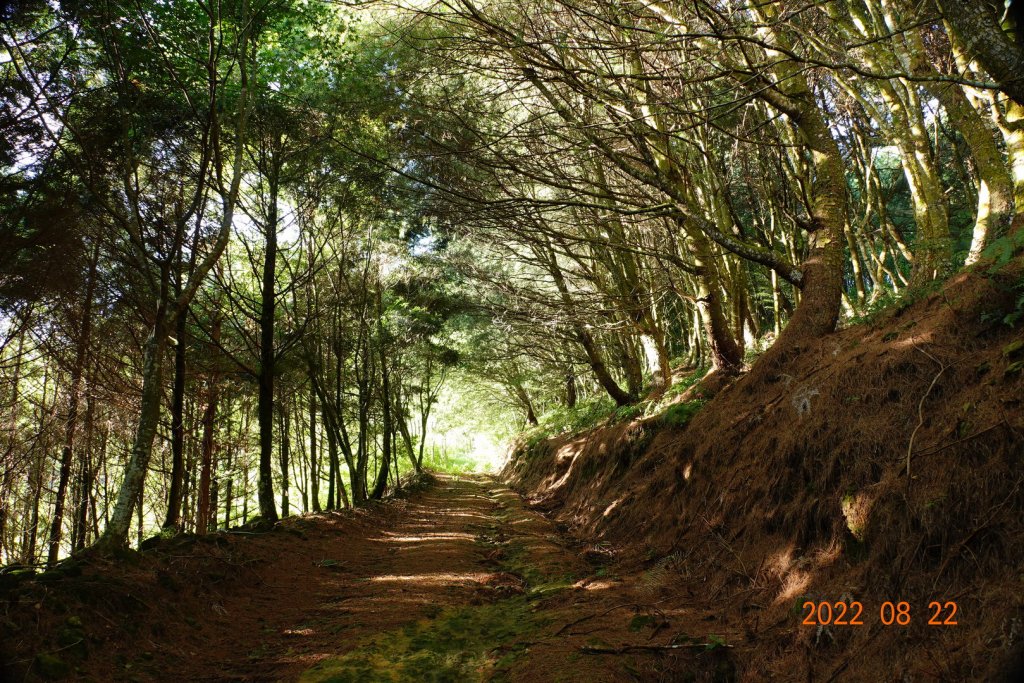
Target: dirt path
458, 582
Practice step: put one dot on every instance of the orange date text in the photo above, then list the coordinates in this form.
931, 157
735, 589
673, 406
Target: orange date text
890, 613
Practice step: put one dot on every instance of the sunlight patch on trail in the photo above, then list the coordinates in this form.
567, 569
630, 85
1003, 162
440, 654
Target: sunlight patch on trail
433, 579
442, 536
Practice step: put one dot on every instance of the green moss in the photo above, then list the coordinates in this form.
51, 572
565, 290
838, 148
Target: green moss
458, 645
680, 414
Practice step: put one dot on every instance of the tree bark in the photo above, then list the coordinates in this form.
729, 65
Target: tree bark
116, 533
976, 25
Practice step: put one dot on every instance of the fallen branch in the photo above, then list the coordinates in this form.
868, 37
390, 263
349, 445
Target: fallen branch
920, 407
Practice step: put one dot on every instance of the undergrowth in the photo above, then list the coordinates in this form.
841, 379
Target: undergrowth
891, 303
596, 411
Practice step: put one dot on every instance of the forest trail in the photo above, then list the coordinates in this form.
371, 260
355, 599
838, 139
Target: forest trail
457, 579
457, 582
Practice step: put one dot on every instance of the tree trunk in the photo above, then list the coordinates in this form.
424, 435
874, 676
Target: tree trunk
822, 282
7, 478
84, 339
174, 498
332, 467
527, 404
995, 187
88, 473
314, 454
265, 405
204, 508
285, 455
584, 337
33, 501
976, 25
116, 533
385, 403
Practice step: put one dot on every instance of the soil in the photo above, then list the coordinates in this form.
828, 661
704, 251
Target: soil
880, 464
456, 582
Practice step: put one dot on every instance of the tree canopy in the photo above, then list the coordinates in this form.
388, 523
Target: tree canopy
262, 256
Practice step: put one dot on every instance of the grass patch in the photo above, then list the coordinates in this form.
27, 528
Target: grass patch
457, 645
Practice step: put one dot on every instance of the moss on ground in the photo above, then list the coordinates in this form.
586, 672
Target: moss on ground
470, 643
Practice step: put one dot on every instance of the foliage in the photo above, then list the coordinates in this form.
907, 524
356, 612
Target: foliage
1003, 249
891, 303
1015, 314
586, 414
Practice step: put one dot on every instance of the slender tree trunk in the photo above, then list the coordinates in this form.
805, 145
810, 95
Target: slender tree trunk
385, 403
174, 498
204, 508
139, 520
583, 336
86, 500
332, 467
726, 355
74, 397
285, 456
314, 455
28, 550
7, 478
630, 361
359, 477
265, 406
527, 404
116, 532
229, 479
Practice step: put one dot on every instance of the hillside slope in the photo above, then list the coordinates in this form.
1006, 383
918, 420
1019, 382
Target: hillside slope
791, 486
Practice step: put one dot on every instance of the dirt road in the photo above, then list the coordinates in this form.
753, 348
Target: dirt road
458, 582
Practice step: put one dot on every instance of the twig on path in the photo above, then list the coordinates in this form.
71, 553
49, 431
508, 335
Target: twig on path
591, 616
598, 650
